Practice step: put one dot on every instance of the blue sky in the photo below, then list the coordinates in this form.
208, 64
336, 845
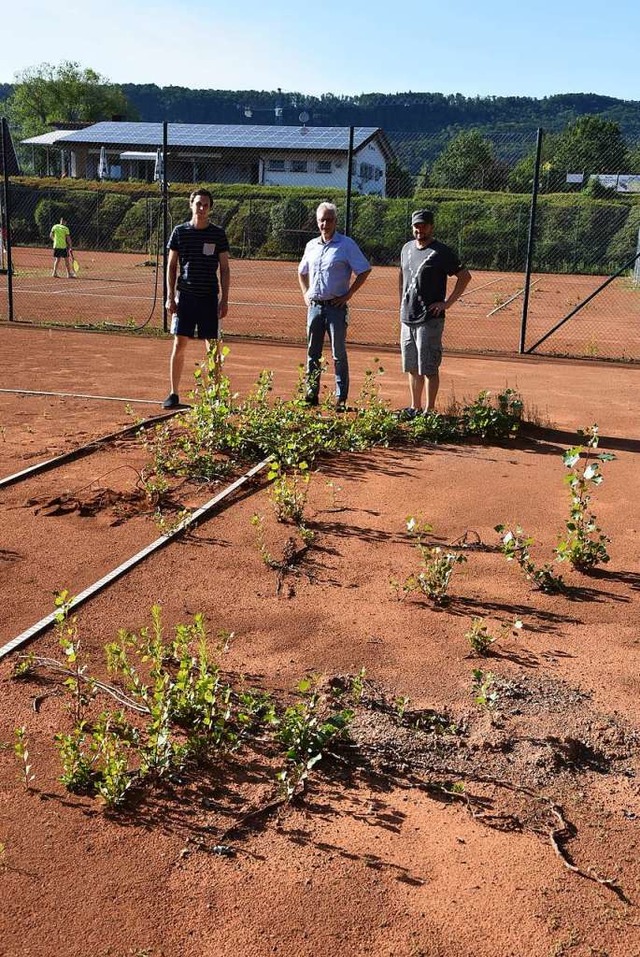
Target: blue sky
495, 48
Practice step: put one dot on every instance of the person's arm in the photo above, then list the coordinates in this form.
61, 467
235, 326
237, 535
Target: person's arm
69, 245
303, 280
225, 281
172, 278
463, 278
400, 284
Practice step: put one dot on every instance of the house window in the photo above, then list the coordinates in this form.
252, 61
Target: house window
366, 171
275, 165
298, 166
323, 166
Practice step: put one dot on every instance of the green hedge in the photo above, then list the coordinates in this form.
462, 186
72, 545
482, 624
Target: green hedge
575, 232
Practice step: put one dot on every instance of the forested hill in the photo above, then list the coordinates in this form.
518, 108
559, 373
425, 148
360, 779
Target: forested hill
427, 113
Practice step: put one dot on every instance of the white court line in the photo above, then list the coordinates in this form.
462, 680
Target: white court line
111, 576
80, 395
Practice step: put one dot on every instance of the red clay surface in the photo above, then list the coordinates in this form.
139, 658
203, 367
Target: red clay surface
366, 865
124, 290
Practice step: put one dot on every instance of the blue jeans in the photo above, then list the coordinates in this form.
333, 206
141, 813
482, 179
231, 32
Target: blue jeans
323, 318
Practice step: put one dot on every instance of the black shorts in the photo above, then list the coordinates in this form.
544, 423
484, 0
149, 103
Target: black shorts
61, 253
196, 312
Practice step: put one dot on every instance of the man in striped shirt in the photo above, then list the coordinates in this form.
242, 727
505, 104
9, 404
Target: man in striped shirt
196, 299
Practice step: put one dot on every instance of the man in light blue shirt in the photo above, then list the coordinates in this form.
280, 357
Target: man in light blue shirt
325, 276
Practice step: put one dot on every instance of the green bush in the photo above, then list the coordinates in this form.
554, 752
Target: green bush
574, 231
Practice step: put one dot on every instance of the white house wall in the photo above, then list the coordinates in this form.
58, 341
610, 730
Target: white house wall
369, 171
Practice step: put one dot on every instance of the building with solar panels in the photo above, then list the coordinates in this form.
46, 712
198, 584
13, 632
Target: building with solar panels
266, 155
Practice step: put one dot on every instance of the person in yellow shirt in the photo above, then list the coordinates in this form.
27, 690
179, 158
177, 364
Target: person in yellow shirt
62, 248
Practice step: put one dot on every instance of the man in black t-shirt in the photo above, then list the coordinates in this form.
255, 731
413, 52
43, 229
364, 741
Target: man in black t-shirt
425, 265
196, 301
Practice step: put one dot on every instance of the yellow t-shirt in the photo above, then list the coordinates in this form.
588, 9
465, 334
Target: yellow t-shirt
59, 234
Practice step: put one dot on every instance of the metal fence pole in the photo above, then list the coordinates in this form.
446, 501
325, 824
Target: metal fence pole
7, 211
165, 222
347, 225
530, 241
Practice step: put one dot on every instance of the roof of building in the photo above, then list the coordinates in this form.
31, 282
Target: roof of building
46, 139
297, 138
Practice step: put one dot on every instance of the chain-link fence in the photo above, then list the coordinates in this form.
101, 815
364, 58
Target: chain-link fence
532, 234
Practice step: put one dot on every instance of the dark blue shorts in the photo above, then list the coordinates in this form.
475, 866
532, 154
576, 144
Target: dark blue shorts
196, 312
60, 253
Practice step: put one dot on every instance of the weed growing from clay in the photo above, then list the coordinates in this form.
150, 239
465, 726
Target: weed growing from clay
485, 419
434, 577
484, 689
185, 714
219, 432
289, 492
67, 634
21, 751
481, 639
168, 523
335, 496
515, 546
76, 760
292, 553
585, 545
400, 705
306, 731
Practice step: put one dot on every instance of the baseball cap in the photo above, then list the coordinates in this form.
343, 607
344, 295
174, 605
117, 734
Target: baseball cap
422, 216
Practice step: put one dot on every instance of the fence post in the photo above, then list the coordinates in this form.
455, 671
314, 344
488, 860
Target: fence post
347, 224
165, 223
530, 241
4, 143
636, 268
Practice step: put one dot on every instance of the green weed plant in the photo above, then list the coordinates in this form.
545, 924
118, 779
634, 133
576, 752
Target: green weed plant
515, 546
306, 731
220, 432
438, 564
584, 545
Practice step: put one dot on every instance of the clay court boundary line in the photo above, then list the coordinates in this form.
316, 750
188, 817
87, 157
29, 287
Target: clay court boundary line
81, 395
83, 450
40, 626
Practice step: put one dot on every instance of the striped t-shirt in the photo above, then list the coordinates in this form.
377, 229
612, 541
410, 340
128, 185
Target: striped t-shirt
199, 255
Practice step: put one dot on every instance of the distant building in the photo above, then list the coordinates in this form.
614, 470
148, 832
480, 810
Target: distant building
621, 182
269, 155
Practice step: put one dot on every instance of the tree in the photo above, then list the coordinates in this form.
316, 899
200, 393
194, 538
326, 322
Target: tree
633, 160
590, 145
46, 95
466, 163
399, 181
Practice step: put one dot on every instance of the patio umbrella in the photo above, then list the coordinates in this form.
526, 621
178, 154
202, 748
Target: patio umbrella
158, 173
103, 165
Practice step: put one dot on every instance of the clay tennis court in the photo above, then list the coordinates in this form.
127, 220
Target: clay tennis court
125, 290
374, 861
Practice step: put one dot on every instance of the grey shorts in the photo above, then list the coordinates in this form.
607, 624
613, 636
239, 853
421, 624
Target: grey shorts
421, 346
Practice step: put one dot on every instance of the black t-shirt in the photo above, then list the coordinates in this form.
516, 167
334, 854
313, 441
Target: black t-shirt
424, 278
199, 255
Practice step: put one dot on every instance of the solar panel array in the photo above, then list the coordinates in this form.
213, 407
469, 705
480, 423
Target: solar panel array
221, 136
